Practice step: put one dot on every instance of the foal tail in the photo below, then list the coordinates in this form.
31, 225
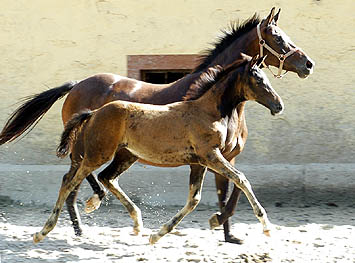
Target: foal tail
31, 111
70, 132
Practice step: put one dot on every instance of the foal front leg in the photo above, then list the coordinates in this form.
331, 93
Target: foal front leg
197, 175
219, 164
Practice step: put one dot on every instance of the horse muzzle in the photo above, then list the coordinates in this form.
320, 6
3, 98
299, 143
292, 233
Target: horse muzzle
306, 68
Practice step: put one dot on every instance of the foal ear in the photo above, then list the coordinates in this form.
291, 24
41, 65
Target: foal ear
276, 17
260, 61
253, 62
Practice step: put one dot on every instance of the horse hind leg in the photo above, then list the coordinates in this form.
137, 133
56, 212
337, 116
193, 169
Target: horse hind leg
197, 175
70, 181
95, 200
108, 178
73, 211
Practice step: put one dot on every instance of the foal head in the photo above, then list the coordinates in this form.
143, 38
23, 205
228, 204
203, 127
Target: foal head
255, 85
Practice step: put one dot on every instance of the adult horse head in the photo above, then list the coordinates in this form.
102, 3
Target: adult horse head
274, 42
259, 36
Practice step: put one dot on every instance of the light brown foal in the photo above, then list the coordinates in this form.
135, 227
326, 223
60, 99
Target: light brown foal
93, 92
183, 133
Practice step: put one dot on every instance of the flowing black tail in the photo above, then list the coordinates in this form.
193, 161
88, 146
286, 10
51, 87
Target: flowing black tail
70, 132
31, 112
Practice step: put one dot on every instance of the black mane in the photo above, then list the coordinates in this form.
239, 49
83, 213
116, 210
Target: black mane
210, 77
234, 31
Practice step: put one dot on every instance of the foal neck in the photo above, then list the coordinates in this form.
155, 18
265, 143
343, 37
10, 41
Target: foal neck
225, 96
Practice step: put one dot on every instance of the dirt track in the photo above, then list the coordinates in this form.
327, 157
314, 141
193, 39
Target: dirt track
317, 230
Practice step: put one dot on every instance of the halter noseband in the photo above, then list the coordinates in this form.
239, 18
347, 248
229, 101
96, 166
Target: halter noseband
281, 57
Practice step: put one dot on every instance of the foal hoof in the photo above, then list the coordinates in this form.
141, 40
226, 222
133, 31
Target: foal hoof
214, 220
267, 233
153, 239
37, 237
136, 230
92, 203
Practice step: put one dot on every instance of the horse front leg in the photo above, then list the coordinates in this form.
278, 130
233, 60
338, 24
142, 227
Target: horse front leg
108, 178
70, 181
219, 164
197, 175
226, 210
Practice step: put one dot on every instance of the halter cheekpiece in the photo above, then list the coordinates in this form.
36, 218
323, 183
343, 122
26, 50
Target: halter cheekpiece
281, 57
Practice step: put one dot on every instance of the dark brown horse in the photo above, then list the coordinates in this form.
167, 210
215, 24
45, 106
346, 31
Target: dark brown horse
182, 133
95, 91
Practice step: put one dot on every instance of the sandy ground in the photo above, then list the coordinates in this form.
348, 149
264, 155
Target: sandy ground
314, 231
312, 207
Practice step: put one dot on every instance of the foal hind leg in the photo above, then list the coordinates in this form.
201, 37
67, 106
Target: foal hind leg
70, 181
94, 201
219, 164
197, 175
107, 178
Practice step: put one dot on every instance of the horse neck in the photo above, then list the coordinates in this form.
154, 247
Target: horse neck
247, 44
176, 91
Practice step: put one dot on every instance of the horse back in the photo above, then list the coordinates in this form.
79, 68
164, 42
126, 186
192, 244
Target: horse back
95, 91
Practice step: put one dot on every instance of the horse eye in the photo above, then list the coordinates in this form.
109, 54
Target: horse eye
278, 39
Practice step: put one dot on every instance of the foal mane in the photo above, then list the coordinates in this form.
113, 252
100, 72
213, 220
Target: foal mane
229, 35
210, 77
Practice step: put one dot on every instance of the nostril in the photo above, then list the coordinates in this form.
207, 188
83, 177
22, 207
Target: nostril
309, 64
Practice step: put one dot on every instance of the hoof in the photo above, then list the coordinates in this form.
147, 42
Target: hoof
267, 233
234, 240
136, 230
214, 220
78, 232
37, 237
153, 239
92, 204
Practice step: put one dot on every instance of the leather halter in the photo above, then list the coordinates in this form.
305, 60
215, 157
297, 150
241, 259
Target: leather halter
281, 57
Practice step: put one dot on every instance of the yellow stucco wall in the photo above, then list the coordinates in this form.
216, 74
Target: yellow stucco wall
45, 43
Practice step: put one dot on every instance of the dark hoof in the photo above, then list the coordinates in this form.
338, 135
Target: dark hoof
234, 240
78, 232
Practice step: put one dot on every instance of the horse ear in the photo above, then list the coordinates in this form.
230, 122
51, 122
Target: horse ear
276, 17
270, 16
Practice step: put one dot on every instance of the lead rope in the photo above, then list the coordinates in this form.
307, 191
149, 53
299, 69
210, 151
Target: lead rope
281, 57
